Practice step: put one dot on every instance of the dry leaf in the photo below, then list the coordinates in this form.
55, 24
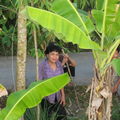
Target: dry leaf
88, 88
105, 93
96, 102
3, 91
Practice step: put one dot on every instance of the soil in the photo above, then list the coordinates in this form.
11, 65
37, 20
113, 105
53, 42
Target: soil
77, 102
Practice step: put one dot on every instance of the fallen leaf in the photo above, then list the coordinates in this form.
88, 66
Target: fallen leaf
96, 102
105, 93
3, 91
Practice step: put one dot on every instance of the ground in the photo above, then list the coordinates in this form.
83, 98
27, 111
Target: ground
77, 110
77, 102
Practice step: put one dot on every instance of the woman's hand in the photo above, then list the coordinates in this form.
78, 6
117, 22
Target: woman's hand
62, 101
65, 59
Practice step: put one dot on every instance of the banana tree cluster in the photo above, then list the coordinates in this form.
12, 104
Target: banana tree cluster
71, 26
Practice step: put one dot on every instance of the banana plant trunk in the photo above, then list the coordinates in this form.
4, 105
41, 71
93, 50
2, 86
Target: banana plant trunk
21, 51
101, 96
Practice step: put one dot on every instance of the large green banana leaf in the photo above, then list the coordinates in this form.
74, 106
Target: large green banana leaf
63, 28
116, 65
107, 22
112, 17
66, 9
98, 16
18, 102
99, 4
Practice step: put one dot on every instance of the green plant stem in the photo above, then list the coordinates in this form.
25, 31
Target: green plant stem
113, 49
80, 19
98, 34
37, 78
110, 54
103, 27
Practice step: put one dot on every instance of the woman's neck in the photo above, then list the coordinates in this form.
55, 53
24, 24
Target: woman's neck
52, 65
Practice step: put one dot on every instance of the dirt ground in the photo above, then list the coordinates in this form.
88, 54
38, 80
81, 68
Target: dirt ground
77, 102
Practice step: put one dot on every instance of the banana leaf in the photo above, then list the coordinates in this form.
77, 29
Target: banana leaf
116, 65
63, 28
18, 102
98, 17
112, 17
66, 9
107, 22
99, 4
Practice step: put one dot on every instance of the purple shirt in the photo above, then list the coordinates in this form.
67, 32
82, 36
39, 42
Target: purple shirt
45, 72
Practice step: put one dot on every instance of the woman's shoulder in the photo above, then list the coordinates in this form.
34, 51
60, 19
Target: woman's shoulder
43, 63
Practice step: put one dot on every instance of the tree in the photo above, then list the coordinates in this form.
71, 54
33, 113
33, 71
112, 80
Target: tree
71, 26
21, 50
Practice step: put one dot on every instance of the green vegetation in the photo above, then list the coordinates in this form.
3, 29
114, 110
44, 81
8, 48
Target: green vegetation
8, 29
70, 26
74, 112
18, 102
62, 20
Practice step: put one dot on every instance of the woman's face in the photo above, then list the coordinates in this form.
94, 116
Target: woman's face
53, 56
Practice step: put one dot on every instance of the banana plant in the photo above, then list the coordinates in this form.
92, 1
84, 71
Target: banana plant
68, 25
18, 102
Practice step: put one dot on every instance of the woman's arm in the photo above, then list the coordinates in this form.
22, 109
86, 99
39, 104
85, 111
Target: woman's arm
62, 101
69, 60
72, 62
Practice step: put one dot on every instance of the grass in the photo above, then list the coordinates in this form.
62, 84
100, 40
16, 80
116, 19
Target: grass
83, 97
116, 107
77, 102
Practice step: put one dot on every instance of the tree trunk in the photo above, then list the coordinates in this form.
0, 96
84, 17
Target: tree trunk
101, 96
21, 51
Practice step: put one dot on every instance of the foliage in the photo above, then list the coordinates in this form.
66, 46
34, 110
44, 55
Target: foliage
74, 113
8, 26
61, 32
116, 63
116, 108
30, 114
86, 4
77, 25
8, 29
18, 102
73, 29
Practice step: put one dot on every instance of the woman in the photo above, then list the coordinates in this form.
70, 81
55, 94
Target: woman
51, 67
